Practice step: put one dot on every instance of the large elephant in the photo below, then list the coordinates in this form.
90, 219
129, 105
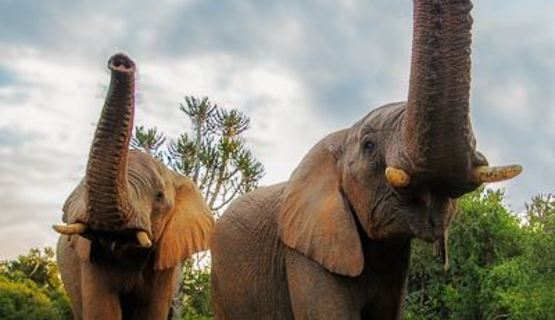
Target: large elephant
130, 222
333, 242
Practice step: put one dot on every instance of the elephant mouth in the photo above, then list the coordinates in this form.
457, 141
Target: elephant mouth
118, 241
427, 223
427, 231
131, 237
398, 215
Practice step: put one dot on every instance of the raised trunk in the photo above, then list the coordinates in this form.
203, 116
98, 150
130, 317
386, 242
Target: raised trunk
106, 177
437, 132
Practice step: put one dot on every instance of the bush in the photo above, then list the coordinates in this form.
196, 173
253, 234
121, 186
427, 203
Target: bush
24, 300
501, 266
30, 288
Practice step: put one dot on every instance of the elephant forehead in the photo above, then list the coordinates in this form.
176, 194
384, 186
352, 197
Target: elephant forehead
146, 170
384, 118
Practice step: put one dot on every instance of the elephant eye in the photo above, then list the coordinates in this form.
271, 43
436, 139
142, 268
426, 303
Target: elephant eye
369, 145
159, 196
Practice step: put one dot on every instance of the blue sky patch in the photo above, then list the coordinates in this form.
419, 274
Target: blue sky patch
6, 76
11, 138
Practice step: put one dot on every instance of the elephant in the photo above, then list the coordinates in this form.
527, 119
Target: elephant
130, 222
333, 242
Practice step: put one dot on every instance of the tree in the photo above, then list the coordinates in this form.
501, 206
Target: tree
30, 288
213, 154
37, 266
148, 140
540, 213
501, 266
540, 257
24, 300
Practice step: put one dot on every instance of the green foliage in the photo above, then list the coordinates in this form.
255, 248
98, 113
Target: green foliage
24, 300
540, 214
195, 285
213, 154
501, 266
149, 140
39, 267
30, 288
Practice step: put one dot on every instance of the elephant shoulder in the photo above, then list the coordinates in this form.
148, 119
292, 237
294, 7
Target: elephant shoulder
267, 196
246, 245
259, 203
254, 212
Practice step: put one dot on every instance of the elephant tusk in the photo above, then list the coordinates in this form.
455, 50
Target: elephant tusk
397, 177
485, 174
70, 229
143, 239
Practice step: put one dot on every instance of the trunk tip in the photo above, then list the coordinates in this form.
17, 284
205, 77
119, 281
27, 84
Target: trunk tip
121, 62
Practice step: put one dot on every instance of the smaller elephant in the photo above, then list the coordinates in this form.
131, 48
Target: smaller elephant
131, 221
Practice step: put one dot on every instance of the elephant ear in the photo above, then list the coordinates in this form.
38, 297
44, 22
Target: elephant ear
75, 208
315, 219
188, 229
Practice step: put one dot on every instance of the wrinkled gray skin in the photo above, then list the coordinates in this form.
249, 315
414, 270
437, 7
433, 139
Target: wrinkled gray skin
333, 242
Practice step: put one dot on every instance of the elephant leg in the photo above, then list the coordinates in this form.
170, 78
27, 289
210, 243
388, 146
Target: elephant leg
316, 293
386, 308
70, 271
157, 298
388, 303
99, 300
217, 303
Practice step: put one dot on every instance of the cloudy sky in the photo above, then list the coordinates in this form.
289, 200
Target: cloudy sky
299, 69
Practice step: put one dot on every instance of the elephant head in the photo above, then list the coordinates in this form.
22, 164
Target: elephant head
396, 173
128, 200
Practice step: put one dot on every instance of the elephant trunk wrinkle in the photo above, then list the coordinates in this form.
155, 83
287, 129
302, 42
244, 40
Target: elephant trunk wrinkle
106, 179
437, 130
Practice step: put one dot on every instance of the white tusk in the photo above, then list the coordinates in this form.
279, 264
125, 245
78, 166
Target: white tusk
485, 174
397, 177
70, 229
143, 239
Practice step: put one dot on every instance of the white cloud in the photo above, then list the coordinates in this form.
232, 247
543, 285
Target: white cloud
273, 97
